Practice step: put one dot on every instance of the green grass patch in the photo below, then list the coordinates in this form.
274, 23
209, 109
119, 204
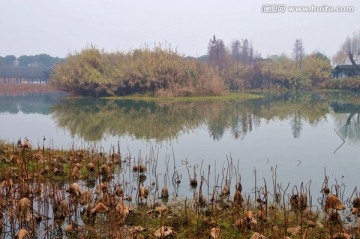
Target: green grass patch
230, 96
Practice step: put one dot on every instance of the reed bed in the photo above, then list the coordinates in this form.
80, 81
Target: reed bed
98, 193
160, 71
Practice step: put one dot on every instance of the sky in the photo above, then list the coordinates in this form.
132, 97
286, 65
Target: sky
62, 27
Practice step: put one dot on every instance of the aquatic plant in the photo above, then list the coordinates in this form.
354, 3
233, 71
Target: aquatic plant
100, 203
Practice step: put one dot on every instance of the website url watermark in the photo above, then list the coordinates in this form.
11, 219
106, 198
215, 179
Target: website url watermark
282, 8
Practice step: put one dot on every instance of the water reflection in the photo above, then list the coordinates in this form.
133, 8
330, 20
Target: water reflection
29, 103
259, 132
95, 119
348, 120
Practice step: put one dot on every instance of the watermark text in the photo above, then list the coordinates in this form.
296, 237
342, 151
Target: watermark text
282, 8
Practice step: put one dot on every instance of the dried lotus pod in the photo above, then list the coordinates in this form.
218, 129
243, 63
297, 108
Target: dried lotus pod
75, 172
105, 170
164, 193
99, 208
257, 235
118, 191
356, 202
215, 233
90, 167
341, 235
225, 192
238, 198
164, 231
23, 210
143, 192
333, 202
23, 233
122, 209
74, 189
293, 230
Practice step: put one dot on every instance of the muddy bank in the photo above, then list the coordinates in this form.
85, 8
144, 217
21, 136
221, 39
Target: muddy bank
14, 89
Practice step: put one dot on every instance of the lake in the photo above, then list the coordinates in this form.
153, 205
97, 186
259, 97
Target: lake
305, 136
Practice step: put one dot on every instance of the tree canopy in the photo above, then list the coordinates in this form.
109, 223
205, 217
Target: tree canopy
164, 72
349, 51
40, 60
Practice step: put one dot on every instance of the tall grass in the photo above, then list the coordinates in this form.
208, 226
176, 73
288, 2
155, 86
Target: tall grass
349, 83
159, 71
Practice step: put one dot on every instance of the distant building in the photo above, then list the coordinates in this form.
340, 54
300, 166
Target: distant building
21, 75
343, 71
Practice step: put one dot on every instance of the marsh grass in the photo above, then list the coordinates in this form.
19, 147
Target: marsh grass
348, 83
160, 71
273, 212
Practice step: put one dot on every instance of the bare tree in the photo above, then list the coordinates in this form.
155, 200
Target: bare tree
298, 52
217, 53
351, 48
235, 50
340, 58
245, 51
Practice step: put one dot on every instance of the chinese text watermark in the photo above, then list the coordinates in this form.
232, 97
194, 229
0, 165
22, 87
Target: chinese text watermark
282, 8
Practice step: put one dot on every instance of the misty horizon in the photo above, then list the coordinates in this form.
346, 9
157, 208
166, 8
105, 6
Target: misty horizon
59, 28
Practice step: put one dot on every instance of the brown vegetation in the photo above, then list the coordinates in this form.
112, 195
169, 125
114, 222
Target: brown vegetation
99, 205
159, 72
163, 72
14, 89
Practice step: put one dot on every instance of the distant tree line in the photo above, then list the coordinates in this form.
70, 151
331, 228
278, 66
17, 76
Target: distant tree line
164, 72
41, 60
242, 68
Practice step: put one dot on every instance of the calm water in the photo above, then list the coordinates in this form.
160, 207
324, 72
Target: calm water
300, 134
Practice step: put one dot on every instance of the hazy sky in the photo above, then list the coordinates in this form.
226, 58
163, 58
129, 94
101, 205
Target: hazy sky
59, 27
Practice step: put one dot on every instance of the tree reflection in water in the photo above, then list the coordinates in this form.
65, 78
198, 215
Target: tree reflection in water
94, 119
347, 120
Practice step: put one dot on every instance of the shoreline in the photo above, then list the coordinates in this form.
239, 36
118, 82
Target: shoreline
13, 89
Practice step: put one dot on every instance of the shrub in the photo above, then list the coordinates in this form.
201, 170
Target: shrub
349, 83
143, 71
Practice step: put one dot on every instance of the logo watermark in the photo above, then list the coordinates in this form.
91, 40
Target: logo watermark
282, 8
